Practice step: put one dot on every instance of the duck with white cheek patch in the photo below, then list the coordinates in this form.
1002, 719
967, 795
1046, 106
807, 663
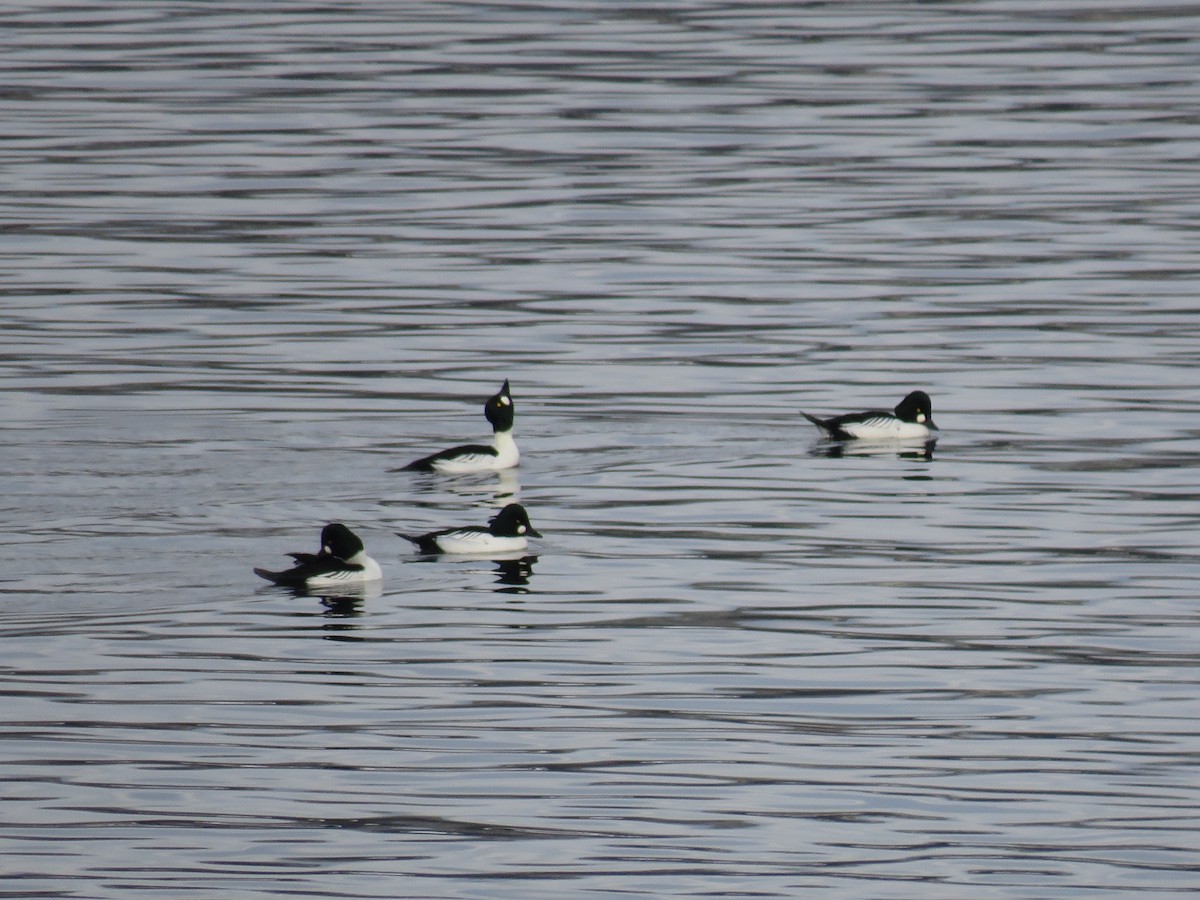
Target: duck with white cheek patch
342, 561
508, 531
911, 420
502, 454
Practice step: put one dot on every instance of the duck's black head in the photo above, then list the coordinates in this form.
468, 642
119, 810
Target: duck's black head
338, 540
499, 409
916, 407
512, 521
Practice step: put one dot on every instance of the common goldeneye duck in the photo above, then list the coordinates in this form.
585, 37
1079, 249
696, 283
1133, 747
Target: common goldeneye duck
502, 454
341, 561
911, 420
505, 533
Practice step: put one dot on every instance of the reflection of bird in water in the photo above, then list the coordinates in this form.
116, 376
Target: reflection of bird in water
342, 607
502, 454
911, 420
341, 562
345, 601
495, 489
514, 574
508, 487
507, 532
899, 449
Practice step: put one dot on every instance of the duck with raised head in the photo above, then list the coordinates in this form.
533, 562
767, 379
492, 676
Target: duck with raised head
501, 454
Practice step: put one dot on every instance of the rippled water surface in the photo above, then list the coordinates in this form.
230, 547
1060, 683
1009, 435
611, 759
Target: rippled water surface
257, 256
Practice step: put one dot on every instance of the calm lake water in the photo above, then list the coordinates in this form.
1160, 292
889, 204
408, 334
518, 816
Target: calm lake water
258, 255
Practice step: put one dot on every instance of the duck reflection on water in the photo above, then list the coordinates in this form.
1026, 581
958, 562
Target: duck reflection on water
898, 449
513, 575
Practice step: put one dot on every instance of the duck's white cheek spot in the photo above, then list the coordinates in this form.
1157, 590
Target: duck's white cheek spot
325, 549
920, 418
504, 401
521, 529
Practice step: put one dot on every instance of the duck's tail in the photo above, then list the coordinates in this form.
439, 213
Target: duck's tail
820, 423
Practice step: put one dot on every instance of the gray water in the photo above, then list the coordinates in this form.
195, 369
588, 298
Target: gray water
258, 255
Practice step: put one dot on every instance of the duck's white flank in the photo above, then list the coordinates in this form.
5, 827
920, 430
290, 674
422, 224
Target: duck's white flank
887, 428
506, 456
476, 540
370, 572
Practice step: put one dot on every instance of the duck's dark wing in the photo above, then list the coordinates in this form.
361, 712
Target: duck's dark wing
467, 453
309, 565
428, 543
835, 426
